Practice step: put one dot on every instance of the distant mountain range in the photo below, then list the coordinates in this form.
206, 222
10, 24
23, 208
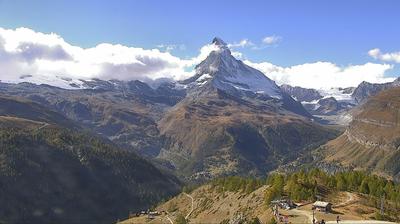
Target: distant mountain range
335, 105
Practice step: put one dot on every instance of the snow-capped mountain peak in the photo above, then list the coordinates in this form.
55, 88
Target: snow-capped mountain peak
219, 42
229, 74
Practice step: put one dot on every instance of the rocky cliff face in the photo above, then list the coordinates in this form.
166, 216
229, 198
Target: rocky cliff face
301, 94
330, 106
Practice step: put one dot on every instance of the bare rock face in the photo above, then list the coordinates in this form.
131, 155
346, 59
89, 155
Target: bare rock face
366, 89
330, 106
302, 94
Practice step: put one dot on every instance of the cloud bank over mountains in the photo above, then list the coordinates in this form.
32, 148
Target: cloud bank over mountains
324, 75
25, 52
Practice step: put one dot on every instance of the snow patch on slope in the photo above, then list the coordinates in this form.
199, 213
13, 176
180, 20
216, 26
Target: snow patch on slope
338, 94
56, 81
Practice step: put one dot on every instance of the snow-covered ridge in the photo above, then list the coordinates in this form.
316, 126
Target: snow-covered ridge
56, 81
338, 93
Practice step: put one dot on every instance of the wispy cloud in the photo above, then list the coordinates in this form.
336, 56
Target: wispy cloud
266, 42
270, 40
242, 43
171, 47
388, 57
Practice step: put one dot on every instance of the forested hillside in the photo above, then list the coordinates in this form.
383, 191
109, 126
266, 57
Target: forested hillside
53, 175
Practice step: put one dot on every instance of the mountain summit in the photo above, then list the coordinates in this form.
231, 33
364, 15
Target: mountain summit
225, 72
219, 42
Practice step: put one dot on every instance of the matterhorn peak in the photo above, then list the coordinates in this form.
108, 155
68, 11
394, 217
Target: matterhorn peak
227, 73
221, 45
219, 42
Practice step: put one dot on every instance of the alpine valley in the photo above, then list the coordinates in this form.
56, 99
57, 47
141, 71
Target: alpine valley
122, 146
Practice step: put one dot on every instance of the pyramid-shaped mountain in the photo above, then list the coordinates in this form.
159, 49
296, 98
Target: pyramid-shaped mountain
227, 73
223, 73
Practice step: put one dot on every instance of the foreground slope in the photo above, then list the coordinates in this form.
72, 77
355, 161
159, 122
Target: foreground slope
53, 174
246, 200
372, 140
212, 206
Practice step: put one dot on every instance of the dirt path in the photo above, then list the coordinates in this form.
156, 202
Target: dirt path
43, 126
169, 219
304, 213
350, 199
191, 210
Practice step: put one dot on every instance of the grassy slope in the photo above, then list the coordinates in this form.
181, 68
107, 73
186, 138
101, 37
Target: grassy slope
211, 206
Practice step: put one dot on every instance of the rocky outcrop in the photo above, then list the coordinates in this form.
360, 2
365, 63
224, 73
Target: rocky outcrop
366, 89
301, 94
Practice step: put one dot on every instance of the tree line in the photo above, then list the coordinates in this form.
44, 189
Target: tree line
308, 185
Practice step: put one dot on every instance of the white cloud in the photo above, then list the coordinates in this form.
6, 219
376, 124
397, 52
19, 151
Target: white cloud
171, 47
389, 57
24, 52
237, 54
324, 75
242, 43
271, 39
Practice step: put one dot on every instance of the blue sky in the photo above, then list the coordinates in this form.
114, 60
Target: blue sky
341, 32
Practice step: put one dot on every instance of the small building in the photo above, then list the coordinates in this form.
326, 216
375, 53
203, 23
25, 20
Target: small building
285, 203
154, 213
322, 206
